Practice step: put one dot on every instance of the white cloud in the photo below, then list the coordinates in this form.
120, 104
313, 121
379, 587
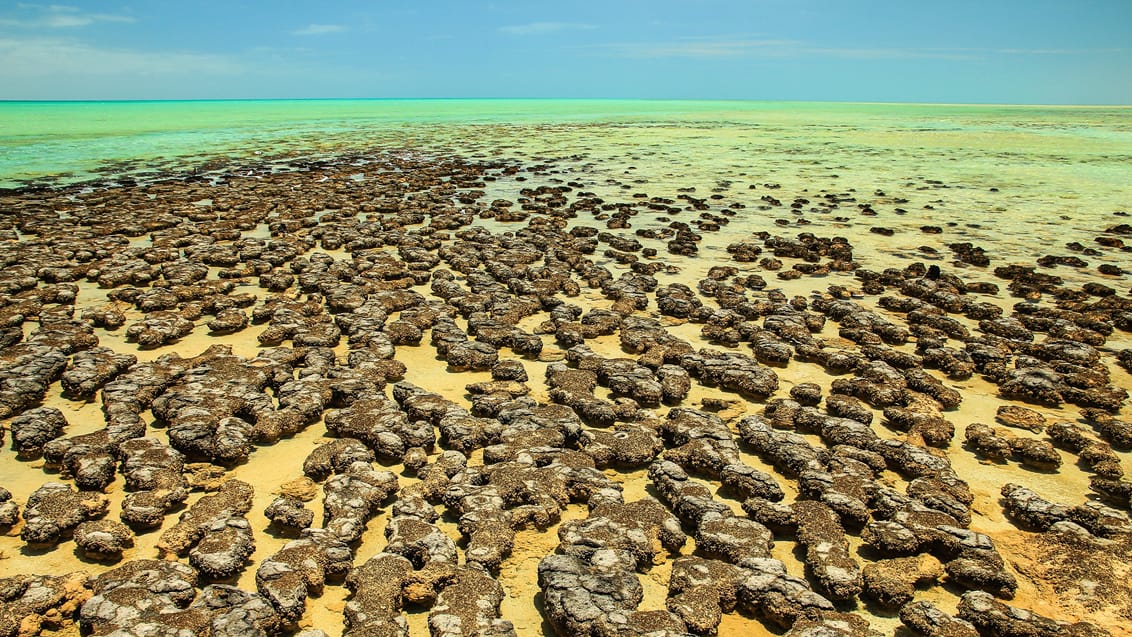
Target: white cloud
1058, 51
726, 47
700, 48
751, 47
319, 29
58, 16
537, 28
58, 57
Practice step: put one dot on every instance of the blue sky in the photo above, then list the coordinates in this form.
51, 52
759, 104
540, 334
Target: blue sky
987, 51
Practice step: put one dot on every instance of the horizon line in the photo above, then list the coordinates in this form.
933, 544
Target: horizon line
545, 99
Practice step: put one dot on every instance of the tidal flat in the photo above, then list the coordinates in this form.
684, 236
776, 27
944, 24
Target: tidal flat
659, 376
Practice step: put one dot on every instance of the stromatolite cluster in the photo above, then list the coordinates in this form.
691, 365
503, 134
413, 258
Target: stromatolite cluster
602, 395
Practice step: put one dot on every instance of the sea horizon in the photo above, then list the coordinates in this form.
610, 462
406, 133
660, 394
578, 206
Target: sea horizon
570, 99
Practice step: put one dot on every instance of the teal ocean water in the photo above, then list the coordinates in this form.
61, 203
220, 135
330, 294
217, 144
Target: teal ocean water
78, 140
1016, 166
1010, 170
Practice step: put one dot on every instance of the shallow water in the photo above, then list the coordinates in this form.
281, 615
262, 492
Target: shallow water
1055, 169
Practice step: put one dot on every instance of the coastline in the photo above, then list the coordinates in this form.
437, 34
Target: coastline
409, 207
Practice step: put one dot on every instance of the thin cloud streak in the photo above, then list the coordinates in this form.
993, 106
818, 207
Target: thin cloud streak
60, 17
538, 28
320, 29
700, 48
1058, 51
737, 47
54, 57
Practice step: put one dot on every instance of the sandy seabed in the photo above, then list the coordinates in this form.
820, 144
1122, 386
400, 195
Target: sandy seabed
780, 381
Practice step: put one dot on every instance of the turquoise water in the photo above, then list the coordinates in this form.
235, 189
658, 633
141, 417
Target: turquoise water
75, 140
60, 141
1018, 175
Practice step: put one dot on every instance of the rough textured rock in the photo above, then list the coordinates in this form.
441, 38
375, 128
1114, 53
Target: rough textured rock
159, 328
806, 393
91, 369
1030, 509
198, 406
29, 603
702, 441
701, 590
224, 547
55, 509
832, 624
9, 510
289, 513
732, 371
986, 441
26, 370
732, 538
152, 593
628, 445
335, 456
154, 475
789, 452
925, 619
382, 426
236, 612
34, 428
208, 515
469, 606
574, 388
375, 603
641, 528
891, 583
973, 561
776, 596
691, 501
1021, 417
103, 539
1039, 385
828, 559
992, 617
353, 497
299, 569
748, 482
582, 594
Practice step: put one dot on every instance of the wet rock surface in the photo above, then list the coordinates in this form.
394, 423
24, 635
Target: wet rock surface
558, 395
